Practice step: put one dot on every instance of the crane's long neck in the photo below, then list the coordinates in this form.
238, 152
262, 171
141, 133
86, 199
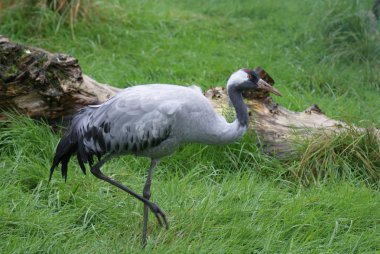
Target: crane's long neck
237, 101
225, 133
216, 130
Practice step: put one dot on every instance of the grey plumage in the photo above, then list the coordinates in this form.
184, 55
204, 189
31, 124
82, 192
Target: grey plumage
152, 121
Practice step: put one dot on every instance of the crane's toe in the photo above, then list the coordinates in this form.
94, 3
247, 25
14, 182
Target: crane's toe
160, 215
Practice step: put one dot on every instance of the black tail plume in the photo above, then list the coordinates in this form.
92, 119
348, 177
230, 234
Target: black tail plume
65, 149
71, 143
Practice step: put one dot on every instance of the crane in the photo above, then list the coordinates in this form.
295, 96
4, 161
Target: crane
152, 121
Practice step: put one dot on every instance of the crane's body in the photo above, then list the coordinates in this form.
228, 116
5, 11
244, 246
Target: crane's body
152, 121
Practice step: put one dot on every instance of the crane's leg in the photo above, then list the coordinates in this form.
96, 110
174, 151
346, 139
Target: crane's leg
160, 215
146, 194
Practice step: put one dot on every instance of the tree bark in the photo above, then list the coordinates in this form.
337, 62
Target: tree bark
52, 86
43, 84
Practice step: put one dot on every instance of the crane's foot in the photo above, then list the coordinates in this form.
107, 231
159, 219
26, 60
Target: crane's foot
160, 215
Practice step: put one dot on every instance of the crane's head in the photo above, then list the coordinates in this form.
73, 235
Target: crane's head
248, 79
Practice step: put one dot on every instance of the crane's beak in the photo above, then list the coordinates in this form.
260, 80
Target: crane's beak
261, 84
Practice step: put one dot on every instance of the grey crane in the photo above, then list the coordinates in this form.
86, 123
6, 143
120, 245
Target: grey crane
152, 121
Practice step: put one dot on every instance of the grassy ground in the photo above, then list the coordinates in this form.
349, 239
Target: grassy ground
230, 199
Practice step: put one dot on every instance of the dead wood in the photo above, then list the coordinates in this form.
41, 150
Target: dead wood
43, 84
278, 129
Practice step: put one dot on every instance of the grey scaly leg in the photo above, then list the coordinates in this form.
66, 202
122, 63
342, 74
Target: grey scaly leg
146, 195
160, 215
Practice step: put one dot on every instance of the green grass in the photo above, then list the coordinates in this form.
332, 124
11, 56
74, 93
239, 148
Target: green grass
351, 154
230, 199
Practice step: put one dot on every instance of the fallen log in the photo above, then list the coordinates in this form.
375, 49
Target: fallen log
278, 129
52, 86
43, 84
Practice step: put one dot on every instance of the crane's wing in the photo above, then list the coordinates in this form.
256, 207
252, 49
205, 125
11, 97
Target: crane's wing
132, 121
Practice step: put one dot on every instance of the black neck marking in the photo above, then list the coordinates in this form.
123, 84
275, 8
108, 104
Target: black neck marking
239, 105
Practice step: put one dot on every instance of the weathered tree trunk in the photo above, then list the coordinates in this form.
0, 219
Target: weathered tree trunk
42, 84
279, 129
